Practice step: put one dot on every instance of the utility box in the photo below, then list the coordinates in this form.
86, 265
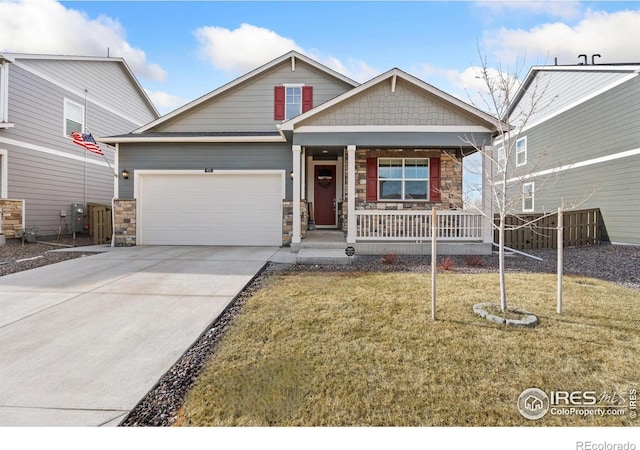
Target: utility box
79, 218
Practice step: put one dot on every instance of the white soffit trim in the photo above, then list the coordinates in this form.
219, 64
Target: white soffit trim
51, 151
74, 92
588, 162
392, 128
159, 139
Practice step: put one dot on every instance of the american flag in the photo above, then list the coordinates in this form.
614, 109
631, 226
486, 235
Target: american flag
87, 141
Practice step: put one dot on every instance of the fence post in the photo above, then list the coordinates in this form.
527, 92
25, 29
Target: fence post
434, 255
560, 262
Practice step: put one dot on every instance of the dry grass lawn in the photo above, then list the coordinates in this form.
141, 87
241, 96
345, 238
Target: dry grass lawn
360, 349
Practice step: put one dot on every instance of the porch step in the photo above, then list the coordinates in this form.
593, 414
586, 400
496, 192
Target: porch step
310, 256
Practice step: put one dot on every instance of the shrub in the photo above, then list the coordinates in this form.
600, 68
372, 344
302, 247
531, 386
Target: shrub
474, 260
447, 263
389, 258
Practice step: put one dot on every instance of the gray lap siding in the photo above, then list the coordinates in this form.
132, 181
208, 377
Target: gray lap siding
198, 156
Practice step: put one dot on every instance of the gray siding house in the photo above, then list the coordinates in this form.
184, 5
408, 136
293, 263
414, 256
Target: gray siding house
582, 149
43, 98
294, 143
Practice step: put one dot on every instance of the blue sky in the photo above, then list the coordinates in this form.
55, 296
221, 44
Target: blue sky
182, 50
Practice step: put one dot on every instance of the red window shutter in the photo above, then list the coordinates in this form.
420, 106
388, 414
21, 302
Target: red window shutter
372, 179
278, 102
307, 98
434, 179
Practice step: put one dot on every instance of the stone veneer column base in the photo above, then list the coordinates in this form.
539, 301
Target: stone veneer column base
287, 222
11, 220
124, 210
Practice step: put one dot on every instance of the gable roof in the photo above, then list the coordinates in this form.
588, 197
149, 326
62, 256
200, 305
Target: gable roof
392, 77
292, 56
561, 88
13, 57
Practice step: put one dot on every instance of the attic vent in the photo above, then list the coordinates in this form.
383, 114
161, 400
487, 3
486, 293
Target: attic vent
593, 59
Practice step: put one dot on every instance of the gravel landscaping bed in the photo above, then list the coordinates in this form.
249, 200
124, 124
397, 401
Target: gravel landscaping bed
16, 257
161, 405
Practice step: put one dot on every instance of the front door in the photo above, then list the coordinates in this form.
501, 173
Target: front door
324, 195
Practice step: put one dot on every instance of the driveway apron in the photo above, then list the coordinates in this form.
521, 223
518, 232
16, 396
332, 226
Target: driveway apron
82, 341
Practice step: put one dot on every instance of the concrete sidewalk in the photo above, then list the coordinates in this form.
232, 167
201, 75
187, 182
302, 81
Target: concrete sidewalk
82, 341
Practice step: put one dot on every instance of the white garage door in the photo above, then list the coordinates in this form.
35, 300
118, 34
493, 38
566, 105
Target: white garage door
220, 208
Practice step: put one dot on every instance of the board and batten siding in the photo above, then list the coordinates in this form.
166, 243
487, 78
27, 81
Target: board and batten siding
199, 156
45, 168
592, 134
249, 106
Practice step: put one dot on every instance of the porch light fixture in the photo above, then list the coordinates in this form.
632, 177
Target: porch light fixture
125, 174
291, 174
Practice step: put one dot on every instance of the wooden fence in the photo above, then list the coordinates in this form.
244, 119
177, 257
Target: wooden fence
581, 227
100, 223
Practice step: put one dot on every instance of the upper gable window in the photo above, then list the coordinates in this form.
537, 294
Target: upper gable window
73, 117
521, 152
291, 100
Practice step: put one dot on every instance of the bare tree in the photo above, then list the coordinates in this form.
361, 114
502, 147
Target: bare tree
505, 179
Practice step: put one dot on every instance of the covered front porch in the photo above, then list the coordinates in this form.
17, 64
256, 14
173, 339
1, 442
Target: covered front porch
341, 199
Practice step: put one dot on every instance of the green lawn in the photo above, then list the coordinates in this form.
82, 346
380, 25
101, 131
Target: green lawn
349, 349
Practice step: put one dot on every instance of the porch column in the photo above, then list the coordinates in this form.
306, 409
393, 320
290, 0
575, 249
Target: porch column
296, 238
487, 201
351, 194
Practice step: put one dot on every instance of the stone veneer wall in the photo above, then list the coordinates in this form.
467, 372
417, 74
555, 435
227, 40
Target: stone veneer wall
450, 180
287, 221
12, 212
124, 210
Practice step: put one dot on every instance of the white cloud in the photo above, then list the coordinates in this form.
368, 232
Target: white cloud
165, 102
46, 26
613, 35
242, 49
248, 47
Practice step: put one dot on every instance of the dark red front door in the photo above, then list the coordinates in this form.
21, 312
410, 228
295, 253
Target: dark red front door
324, 195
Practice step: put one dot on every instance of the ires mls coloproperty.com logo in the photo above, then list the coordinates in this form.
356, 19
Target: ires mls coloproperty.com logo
534, 403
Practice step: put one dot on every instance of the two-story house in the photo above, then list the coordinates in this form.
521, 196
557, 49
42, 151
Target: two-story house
581, 146
293, 141
43, 99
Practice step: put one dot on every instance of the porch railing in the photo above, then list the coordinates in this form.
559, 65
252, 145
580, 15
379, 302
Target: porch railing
381, 225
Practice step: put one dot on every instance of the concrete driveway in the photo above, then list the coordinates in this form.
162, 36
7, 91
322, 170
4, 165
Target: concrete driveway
82, 341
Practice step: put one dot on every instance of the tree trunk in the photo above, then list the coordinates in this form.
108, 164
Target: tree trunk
503, 286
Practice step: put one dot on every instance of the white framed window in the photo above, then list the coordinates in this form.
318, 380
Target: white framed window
521, 151
73, 117
4, 92
528, 194
293, 101
403, 179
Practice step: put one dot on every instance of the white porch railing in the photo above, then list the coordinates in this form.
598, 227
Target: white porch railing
382, 225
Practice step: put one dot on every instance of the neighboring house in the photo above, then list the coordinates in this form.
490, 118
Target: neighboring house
43, 98
253, 161
583, 147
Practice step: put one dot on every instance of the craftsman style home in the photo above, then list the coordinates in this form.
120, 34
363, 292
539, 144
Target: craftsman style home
43, 99
294, 146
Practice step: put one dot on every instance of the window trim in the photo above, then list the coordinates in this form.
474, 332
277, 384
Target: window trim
64, 118
532, 196
523, 151
403, 180
286, 105
4, 92
501, 158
